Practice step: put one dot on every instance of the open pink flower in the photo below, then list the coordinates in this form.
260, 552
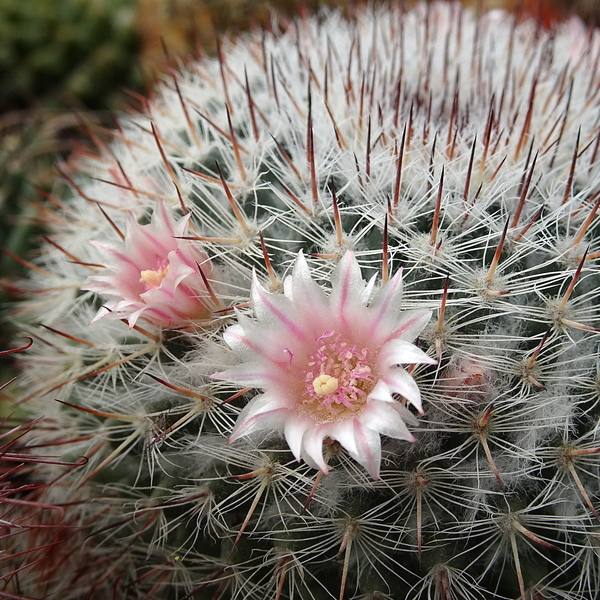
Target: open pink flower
328, 365
156, 276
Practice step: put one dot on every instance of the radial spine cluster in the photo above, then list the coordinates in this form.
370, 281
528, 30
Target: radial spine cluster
321, 320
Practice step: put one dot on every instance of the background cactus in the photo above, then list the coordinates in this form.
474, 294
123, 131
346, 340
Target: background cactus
65, 50
462, 149
54, 54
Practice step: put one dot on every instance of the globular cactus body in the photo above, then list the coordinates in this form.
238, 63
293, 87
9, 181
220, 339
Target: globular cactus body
243, 285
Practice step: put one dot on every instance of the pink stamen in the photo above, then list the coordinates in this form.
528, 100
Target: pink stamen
348, 366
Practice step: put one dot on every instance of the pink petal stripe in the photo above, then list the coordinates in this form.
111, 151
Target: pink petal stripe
389, 418
262, 412
346, 280
184, 259
411, 324
261, 296
381, 308
116, 253
399, 381
294, 430
166, 219
401, 352
273, 419
150, 241
369, 444
312, 448
253, 374
346, 277
243, 343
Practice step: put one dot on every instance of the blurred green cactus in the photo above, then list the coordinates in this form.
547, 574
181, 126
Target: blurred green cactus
57, 51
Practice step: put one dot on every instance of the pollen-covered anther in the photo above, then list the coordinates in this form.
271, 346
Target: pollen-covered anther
153, 278
325, 384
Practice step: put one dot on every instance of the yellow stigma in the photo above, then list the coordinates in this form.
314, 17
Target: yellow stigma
154, 278
325, 384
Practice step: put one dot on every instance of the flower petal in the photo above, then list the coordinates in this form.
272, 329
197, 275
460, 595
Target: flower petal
147, 243
347, 289
275, 310
389, 418
265, 411
253, 374
381, 392
369, 448
294, 430
312, 302
385, 307
344, 433
249, 339
400, 382
410, 324
312, 448
401, 352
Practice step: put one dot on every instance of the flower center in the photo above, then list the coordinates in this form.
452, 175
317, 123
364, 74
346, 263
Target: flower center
338, 379
152, 278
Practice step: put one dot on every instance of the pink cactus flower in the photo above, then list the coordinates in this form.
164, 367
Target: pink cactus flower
328, 366
156, 276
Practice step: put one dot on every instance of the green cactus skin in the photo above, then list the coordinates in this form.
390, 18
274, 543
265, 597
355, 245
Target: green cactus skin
463, 149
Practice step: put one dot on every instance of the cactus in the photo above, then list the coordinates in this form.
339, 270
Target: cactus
322, 322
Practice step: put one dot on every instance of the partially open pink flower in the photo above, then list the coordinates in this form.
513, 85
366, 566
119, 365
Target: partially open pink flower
328, 366
155, 276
